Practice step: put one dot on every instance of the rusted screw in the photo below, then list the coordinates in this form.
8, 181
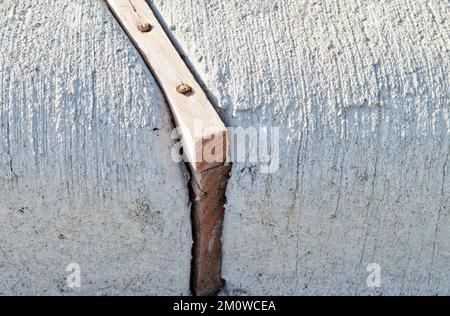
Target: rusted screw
184, 89
145, 27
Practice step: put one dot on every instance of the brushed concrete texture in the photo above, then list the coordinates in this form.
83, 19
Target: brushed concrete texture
360, 90
85, 170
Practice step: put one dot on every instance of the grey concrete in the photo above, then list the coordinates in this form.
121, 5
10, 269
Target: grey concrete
85, 170
361, 92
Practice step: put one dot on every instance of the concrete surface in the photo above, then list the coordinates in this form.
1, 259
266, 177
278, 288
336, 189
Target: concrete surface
85, 170
360, 90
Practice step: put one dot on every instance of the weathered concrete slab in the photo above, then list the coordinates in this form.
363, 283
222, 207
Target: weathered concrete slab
85, 170
360, 90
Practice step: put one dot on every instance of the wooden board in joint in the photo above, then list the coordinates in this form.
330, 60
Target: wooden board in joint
203, 133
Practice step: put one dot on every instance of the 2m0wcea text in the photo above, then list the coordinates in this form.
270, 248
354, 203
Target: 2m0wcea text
239, 305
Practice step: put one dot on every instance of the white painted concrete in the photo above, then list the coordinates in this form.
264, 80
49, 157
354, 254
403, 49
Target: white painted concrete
361, 92
85, 170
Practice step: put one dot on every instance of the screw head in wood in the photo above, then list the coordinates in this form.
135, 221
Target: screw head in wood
184, 89
145, 27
